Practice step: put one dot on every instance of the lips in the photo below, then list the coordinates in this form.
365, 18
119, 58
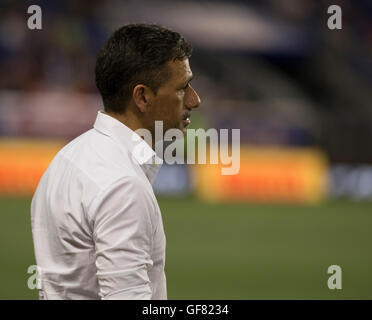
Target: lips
186, 116
186, 119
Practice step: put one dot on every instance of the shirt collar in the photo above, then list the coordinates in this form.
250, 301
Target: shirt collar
140, 151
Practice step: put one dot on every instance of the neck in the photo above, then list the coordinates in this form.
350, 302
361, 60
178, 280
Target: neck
130, 120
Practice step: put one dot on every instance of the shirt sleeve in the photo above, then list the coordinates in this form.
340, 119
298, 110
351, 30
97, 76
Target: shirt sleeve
123, 235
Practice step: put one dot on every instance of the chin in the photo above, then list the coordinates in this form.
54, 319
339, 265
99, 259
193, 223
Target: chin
178, 126
183, 128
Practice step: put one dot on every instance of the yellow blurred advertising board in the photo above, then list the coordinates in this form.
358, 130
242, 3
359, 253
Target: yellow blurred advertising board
23, 162
267, 174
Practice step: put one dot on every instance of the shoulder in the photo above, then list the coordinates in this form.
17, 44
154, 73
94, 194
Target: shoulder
98, 158
124, 196
128, 187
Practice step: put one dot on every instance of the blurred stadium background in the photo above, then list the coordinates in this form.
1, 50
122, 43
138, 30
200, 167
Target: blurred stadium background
300, 95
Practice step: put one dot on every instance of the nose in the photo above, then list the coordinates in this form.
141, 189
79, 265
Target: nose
192, 99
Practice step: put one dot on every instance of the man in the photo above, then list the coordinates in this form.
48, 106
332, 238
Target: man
97, 228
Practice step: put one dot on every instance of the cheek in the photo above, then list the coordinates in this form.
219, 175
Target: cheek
173, 107
179, 102
169, 108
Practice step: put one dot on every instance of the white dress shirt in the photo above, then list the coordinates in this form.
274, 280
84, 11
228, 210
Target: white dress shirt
96, 224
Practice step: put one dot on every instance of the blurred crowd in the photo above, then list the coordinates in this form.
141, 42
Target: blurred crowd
271, 68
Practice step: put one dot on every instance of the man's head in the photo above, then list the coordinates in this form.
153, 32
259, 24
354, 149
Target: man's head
143, 71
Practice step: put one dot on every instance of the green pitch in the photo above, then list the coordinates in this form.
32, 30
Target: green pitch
232, 251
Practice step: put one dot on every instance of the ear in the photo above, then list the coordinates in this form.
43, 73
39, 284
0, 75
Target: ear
142, 95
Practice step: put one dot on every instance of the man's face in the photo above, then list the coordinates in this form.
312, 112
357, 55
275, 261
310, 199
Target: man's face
175, 99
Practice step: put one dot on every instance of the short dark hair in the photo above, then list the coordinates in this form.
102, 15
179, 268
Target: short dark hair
136, 54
